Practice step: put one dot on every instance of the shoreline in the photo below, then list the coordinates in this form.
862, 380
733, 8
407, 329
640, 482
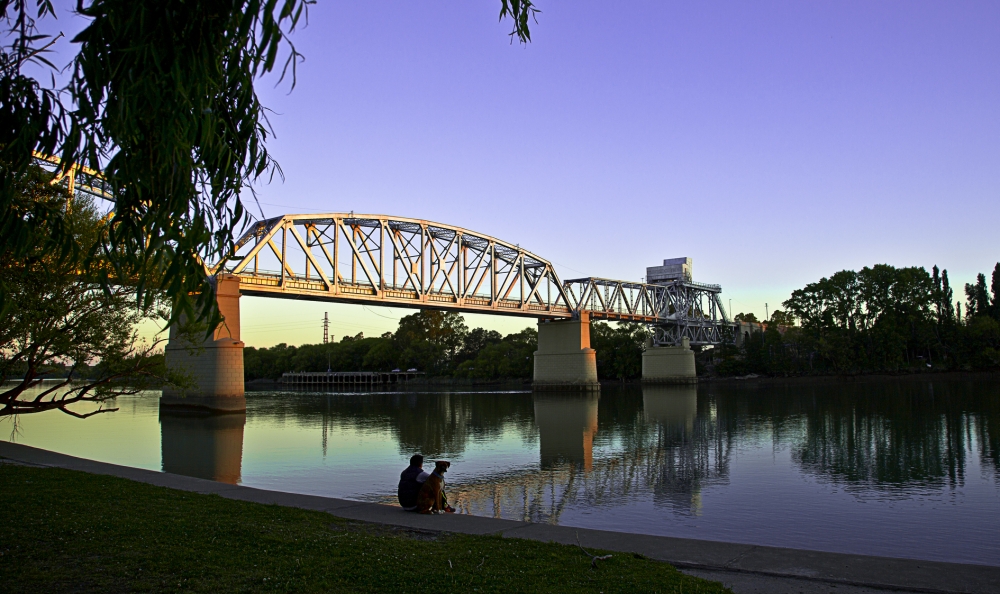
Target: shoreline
773, 568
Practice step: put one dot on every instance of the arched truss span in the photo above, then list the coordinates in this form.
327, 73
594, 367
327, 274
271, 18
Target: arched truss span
382, 260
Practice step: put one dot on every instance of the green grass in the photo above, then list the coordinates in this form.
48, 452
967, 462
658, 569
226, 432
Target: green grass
66, 531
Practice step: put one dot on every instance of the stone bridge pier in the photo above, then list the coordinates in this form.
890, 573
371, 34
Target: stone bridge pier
668, 365
214, 365
564, 359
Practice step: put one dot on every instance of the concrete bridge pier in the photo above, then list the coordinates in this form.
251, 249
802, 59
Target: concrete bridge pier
214, 364
564, 359
668, 365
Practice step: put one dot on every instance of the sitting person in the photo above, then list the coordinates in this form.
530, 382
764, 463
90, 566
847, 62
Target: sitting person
432, 498
410, 482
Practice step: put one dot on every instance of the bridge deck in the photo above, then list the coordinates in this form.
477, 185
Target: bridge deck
364, 294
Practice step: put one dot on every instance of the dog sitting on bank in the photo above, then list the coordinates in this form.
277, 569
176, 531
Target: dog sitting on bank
432, 499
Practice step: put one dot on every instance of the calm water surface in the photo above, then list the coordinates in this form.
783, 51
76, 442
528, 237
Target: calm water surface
904, 468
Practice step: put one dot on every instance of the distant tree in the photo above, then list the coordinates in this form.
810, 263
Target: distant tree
977, 298
475, 341
995, 289
938, 293
746, 317
782, 318
947, 297
619, 349
430, 340
382, 356
511, 358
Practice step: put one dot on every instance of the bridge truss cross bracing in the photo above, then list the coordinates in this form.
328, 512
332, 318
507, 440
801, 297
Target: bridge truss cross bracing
76, 178
380, 260
674, 309
394, 261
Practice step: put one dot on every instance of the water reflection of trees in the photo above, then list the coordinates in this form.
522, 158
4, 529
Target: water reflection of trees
898, 435
669, 445
434, 424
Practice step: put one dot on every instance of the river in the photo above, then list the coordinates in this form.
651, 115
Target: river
901, 468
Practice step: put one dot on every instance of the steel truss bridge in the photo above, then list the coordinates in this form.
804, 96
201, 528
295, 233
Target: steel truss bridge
416, 263
395, 261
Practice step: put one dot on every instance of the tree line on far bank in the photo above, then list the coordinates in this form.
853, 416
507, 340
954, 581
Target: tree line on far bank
441, 345
878, 319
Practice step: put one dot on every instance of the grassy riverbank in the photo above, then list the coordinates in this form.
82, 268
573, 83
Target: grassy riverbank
62, 531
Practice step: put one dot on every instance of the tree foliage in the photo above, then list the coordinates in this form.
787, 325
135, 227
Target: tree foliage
880, 318
440, 344
435, 342
162, 99
619, 349
60, 320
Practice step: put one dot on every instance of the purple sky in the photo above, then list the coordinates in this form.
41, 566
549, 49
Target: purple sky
773, 142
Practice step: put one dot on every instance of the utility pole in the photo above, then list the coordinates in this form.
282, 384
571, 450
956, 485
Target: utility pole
326, 328
767, 316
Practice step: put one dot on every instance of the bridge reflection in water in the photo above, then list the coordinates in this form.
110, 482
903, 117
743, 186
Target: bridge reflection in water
566, 425
208, 446
667, 452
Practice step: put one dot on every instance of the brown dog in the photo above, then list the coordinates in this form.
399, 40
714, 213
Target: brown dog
431, 498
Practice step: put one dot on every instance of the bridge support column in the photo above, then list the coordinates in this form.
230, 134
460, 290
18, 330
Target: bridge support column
564, 359
215, 364
669, 365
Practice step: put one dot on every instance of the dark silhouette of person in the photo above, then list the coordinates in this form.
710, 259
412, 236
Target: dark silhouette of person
410, 482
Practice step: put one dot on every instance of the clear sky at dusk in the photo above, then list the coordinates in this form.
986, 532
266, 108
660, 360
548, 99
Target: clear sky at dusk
773, 142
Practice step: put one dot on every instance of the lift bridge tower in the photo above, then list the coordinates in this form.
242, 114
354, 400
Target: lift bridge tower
690, 313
